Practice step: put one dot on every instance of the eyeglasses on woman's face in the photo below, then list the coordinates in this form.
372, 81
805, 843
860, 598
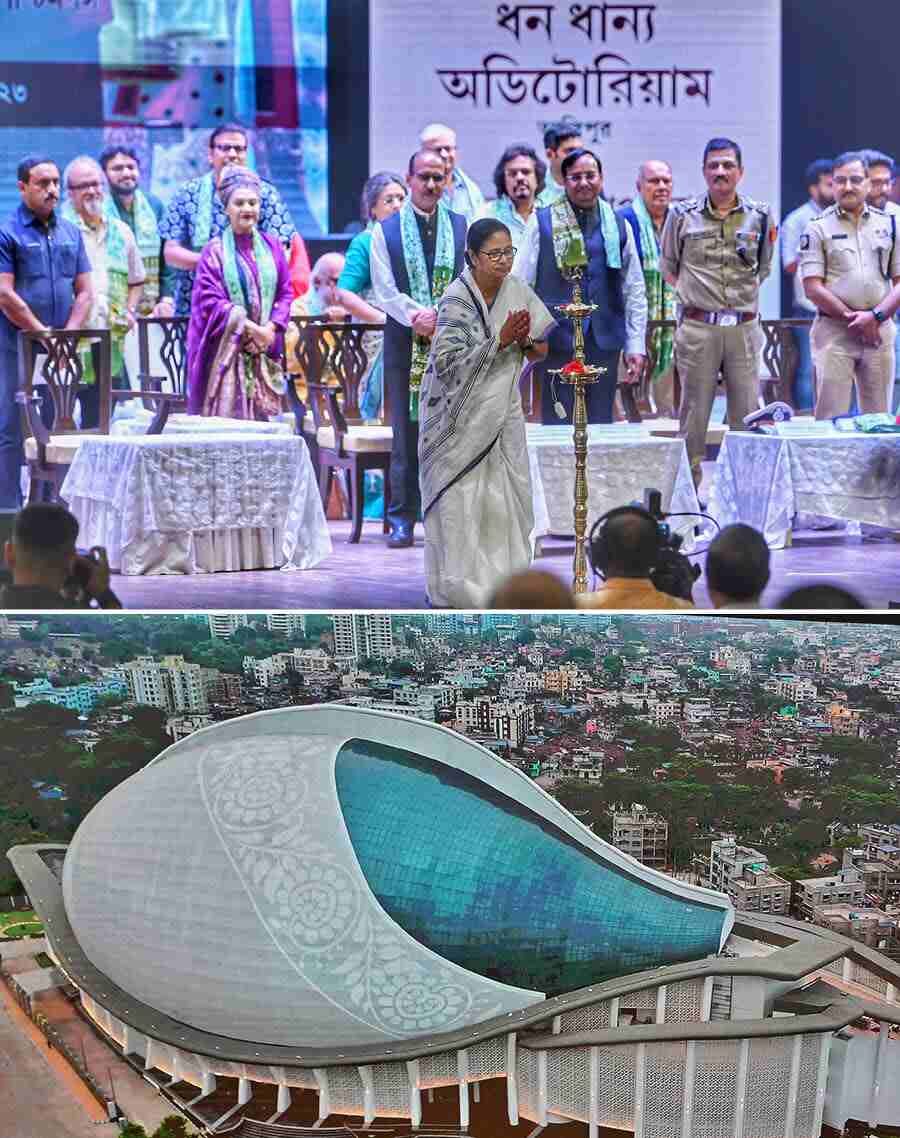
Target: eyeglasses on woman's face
498, 256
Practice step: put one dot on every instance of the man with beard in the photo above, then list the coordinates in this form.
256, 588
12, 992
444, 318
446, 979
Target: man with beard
647, 215
141, 212
716, 252
45, 282
821, 196
850, 265
518, 179
116, 267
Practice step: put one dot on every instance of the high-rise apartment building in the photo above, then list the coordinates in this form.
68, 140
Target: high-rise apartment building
223, 625
363, 634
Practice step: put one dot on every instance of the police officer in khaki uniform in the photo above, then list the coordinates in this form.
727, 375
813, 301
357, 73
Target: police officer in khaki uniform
849, 261
716, 250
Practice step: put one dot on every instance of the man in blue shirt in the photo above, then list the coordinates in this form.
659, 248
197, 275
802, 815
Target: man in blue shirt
45, 282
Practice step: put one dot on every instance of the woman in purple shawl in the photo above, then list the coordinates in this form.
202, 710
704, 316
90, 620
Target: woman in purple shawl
240, 306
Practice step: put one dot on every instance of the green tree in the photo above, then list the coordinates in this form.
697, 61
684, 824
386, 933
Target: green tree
525, 636
613, 665
173, 1126
132, 1130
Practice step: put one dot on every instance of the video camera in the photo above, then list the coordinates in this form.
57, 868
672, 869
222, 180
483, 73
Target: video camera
672, 572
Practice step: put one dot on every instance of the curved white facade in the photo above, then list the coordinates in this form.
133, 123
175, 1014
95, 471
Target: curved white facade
220, 886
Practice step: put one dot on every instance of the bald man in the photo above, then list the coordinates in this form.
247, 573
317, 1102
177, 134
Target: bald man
321, 298
646, 215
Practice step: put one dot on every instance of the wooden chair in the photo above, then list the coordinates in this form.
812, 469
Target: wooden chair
780, 359
334, 365
50, 449
159, 399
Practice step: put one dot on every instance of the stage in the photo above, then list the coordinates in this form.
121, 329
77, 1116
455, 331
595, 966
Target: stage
371, 576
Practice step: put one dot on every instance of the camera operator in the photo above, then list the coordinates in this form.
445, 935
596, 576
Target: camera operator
47, 570
638, 566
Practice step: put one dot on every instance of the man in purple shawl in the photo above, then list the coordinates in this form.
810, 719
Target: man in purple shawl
240, 307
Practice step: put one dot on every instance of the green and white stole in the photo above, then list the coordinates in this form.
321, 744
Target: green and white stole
425, 292
568, 240
146, 236
660, 294
204, 215
116, 252
268, 279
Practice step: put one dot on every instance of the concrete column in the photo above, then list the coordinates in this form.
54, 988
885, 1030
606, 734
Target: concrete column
639, 1063
365, 1075
614, 1012
846, 968
512, 1081
594, 1108
245, 1092
284, 1098
415, 1095
790, 1120
542, 1088
462, 1068
476, 1092
661, 1004
690, 1066
209, 1082
881, 1075
706, 1007
150, 1053
321, 1076
740, 1090
821, 1081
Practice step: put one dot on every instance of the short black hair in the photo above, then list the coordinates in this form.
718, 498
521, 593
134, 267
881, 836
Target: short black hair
816, 170
849, 156
820, 597
879, 158
518, 150
570, 159
229, 128
411, 167
723, 144
737, 563
109, 152
632, 543
46, 530
557, 132
28, 163
481, 230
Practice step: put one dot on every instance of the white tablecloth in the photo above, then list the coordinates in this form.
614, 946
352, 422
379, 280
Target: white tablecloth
623, 461
198, 503
136, 424
764, 480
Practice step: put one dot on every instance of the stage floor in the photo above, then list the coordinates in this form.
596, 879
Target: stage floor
371, 576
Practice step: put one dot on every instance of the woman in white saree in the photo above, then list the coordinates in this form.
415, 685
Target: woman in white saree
473, 459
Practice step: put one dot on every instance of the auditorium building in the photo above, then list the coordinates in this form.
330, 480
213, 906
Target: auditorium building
340, 920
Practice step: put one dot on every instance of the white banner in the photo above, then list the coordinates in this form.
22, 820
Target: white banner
643, 81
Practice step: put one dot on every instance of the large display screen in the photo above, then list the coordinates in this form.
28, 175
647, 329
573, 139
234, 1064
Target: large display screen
76, 75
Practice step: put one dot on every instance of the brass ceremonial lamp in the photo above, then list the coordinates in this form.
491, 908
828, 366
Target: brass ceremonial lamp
578, 374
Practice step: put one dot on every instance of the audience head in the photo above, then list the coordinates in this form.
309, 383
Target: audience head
442, 140
85, 185
324, 278
810, 597
228, 146
240, 191
722, 167
489, 250
38, 181
818, 182
532, 589
560, 139
519, 174
632, 543
654, 184
737, 566
583, 178
42, 548
383, 194
881, 177
425, 178
851, 180
122, 168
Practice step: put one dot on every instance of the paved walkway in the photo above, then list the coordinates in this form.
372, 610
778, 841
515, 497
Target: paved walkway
40, 1096
136, 1097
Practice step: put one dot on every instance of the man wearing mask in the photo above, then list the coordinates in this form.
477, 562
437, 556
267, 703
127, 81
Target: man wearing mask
415, 254
45, 282
612, 280
821, 196
646, 215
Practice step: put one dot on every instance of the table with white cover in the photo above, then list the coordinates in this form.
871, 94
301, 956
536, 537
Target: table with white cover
132, 426
198, 503
765, 480
623, 461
